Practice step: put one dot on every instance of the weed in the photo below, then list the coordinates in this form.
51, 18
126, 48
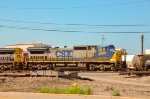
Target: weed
115, 93
74, 89
44, 90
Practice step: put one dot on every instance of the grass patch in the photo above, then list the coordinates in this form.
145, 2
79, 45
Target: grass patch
115, 93
74, 89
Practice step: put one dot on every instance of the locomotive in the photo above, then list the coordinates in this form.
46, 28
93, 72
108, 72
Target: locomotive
91, 57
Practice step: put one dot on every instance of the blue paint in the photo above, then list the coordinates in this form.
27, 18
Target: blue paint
3, 60
106, 54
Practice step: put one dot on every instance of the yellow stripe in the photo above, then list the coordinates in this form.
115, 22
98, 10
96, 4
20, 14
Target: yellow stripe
6, 62
95, 61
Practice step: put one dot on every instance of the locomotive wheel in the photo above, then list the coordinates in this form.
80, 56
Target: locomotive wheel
91, 68
102, 68
113, 69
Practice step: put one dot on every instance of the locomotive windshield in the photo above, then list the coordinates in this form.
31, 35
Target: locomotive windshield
106, 48
111, 47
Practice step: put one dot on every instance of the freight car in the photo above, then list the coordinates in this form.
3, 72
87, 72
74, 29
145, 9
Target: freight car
145, 62
137, 65
137, 62
133, 62
91, 57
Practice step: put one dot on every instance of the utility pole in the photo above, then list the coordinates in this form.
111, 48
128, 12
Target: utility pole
142, 44
103, 39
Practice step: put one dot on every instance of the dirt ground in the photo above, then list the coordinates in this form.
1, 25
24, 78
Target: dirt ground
26, 95
101, 84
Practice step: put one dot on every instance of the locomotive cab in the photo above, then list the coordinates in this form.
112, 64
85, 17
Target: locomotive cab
105, 53
108, 57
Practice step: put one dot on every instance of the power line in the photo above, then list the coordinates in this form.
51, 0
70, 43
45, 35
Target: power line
91, 25
7, 20
52, 30
77, 7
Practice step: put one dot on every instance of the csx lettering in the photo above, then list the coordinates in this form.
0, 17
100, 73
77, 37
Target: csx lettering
64, 53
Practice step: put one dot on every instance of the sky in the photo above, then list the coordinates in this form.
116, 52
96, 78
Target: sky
76, 22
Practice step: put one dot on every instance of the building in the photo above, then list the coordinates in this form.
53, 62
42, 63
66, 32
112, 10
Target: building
24, 46
147, 51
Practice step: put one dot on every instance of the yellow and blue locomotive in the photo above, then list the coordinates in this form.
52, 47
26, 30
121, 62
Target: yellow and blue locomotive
106, 58
92, 57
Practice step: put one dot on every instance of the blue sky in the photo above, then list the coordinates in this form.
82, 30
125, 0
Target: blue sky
62, 12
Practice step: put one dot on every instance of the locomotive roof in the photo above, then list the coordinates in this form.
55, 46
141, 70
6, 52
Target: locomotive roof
32, 43
85, 45
6, 48
37, 49
91, 45
62, 48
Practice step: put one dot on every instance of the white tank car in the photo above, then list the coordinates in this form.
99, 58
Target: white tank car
133, 62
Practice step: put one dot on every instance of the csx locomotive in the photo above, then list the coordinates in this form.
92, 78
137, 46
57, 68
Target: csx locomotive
92, 57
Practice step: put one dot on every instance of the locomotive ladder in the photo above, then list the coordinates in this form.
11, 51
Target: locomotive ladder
118, 65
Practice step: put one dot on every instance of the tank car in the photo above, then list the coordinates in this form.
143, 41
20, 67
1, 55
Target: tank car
147, 65
133, 62
145, 59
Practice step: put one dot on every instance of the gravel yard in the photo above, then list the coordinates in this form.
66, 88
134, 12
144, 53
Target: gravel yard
102, 84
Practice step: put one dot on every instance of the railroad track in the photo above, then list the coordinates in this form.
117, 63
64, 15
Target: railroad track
139, 73
51, 73
99, 71
24, 74
42, 73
